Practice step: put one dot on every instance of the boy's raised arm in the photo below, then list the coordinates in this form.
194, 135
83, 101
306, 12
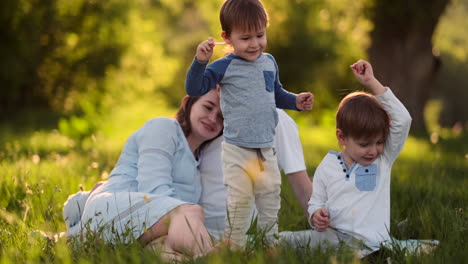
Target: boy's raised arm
365, 75
205, 50
198, 82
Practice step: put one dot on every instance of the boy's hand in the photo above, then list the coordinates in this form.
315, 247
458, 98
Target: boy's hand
205, 50
320, 219
365, 75
363, 72
304, 101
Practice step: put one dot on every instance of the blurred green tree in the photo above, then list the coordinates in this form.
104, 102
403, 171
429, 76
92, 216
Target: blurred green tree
451, 41
53, 49
97, 59
401, 50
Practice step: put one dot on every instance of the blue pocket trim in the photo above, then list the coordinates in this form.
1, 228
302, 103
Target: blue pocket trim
340, 158
366, 178
269, 80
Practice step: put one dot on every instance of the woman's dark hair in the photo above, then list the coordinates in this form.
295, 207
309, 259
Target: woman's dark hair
183, 114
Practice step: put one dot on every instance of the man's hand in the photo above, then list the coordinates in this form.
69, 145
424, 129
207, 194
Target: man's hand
304, 101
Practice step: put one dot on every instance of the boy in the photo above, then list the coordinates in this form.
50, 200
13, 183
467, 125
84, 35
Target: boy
250, 92
351, 197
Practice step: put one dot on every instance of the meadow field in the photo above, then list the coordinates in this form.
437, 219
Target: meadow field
40, 167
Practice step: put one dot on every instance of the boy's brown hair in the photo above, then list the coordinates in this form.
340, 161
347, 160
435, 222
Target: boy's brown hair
243, 15
360, 115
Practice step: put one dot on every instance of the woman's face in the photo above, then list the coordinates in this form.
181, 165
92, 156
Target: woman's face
205, 117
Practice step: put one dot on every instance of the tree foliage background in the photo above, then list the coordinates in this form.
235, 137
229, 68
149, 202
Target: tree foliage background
94, 62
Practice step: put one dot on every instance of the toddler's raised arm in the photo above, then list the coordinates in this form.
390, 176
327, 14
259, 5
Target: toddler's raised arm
365, 75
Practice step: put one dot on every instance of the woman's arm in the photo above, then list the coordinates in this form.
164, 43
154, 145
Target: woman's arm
157, 142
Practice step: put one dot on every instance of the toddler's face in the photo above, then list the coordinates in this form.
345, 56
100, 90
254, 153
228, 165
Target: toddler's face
363, 151
247, 45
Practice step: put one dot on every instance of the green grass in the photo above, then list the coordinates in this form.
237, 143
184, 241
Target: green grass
40, 167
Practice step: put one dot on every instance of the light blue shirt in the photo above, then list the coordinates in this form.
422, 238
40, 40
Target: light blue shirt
157, 159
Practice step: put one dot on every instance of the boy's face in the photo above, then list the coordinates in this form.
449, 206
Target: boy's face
363, 151
247, 45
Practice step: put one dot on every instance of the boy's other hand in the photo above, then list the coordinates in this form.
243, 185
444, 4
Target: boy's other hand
205, 50
365, 75
304, 101
320, 219
363, 72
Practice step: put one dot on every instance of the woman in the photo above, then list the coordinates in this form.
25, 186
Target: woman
148, 193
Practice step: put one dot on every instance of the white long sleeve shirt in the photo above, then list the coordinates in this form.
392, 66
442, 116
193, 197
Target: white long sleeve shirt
359, 205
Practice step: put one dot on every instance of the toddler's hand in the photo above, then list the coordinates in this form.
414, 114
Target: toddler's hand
365, 75
320, 219
205, 50
304, 101
363, 72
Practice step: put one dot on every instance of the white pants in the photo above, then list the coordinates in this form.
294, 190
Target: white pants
313, 238
250, 179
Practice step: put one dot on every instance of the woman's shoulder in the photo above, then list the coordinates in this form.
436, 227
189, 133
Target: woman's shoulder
162, 126
162, 122
159, 131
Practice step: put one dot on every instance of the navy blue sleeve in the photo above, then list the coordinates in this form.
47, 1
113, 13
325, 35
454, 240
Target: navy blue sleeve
283, 98
201, 79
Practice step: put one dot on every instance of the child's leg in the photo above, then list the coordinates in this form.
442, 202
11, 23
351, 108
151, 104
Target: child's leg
310, 238
267, 188
236, 166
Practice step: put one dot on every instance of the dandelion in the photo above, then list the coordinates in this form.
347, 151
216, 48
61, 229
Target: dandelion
434, 138
104, 175
457, 129
94, 165
28, 189
253, 169
36, 159
57, 189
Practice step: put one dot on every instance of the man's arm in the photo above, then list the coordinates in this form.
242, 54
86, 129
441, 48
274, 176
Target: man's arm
302, 186
291, 158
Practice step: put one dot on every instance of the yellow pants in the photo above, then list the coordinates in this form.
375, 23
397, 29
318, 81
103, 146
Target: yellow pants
251, 176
